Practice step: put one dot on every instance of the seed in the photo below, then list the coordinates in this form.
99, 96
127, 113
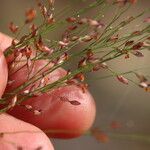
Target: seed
30, 15
122, 79
71, 19
37, 112
13, 27
26, 92
13, 102
29, 107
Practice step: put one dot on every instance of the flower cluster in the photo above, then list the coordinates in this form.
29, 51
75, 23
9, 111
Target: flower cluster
94, 37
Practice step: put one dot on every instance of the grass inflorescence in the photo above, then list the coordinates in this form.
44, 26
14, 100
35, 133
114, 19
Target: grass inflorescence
99, 43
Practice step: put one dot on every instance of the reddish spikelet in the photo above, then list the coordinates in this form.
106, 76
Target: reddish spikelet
29, 63
89, 54
44, 11
147, 20
28, 52
83, 21
137, 53
51, 2
127, 56
62, 58
50, 19
34, 31
83, 86
94, 35
93, 22
26, 92
86, 38
138, 46
113, 38
13, 102
102, 137
68, 72
10, 82
39, 44
122, 79
73, 27
74, 38
14, 42
115, 125
13, 28
97, 67
82, 62
136, 33
71, 19
129, 43
143, 85
30, 15
37, 112
104, 65
71, 81
99, 135
63, 44
29, 107
80, 77
124, 2
47, 50
33, 27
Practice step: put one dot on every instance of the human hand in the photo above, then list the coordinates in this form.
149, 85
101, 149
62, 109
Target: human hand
19, 134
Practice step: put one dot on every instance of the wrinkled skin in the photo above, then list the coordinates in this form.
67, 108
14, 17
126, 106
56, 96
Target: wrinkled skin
56, 114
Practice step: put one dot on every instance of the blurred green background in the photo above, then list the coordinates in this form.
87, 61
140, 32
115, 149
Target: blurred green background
129, 105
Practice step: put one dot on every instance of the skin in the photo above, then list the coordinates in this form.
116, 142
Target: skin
60, 115
3, 73
33, 137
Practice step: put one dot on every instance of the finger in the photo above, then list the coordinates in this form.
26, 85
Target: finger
8, 124
56, 115
5, 41
16, 134
3, 73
